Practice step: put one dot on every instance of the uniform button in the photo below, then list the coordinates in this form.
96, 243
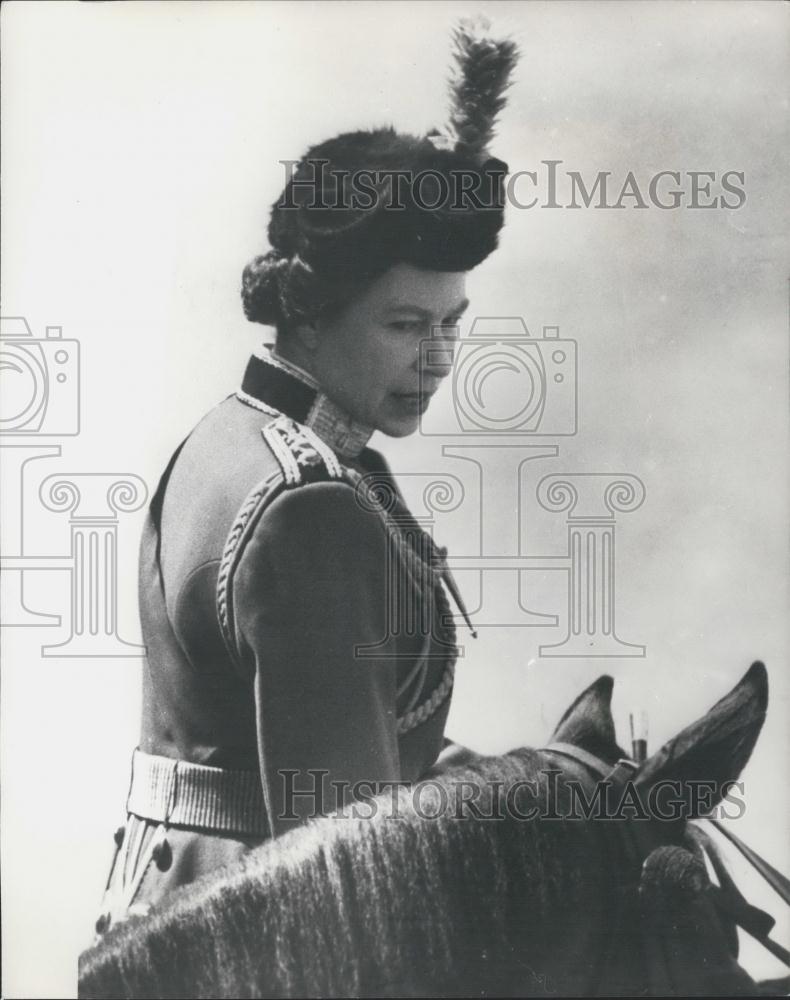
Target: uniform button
163, 855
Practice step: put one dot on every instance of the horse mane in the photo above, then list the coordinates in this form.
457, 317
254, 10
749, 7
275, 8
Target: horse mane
326, 909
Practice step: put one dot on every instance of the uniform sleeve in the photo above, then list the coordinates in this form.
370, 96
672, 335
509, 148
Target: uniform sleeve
309, 590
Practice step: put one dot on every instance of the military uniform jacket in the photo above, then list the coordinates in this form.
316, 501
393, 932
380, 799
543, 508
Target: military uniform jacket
293, 611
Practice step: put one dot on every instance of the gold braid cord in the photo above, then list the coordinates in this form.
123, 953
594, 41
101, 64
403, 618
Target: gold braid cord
298, 450
421, 571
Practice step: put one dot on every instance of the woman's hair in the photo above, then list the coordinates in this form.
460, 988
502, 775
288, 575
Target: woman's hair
362, 202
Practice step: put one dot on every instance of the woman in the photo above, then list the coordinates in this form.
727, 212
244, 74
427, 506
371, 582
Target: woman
278, 556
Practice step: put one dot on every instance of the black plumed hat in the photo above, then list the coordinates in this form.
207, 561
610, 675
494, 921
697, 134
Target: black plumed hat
363, 201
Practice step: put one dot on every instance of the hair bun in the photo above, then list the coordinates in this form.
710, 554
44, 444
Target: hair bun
260, 288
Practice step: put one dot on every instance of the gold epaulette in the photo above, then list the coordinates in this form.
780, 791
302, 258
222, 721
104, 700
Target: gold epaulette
297, 448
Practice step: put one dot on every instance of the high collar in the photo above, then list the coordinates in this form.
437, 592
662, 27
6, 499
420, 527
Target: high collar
275, 385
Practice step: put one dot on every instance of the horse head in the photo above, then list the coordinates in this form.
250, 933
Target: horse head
497, 876
669, 930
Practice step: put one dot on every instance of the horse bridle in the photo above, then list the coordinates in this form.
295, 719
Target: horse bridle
634, 849
754, 921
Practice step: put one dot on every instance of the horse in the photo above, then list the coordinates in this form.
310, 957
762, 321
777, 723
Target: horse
496, 876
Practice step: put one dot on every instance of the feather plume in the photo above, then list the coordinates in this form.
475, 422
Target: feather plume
478, 84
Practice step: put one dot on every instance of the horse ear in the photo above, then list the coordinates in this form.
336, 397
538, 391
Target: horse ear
588, 723
715, 748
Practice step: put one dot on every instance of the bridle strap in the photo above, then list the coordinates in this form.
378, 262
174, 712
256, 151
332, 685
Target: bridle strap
775, 879
660, 982
745, 915
624, 769
616, 773
778, 882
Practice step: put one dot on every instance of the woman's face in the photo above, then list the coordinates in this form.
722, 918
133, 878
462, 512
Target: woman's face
368, 358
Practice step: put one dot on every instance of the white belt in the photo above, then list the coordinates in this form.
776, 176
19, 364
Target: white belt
178, 793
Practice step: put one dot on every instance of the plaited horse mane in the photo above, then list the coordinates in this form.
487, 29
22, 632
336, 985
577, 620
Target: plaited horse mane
461, 904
